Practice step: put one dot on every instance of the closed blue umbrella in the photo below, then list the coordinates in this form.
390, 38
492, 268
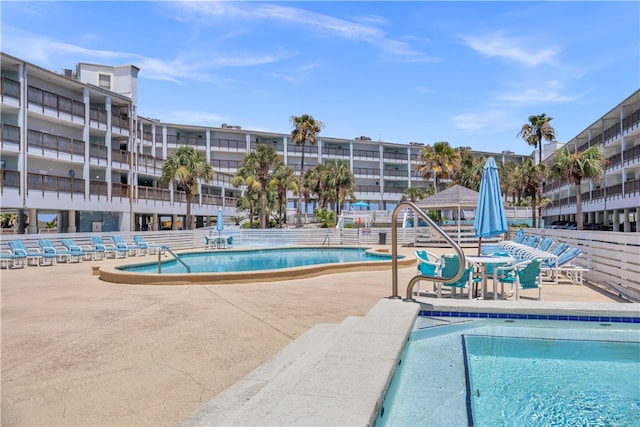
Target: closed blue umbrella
490, 219
220, 223
360, 205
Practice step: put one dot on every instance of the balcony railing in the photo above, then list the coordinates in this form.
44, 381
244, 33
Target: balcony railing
98, 115
98, 151
58, 184
395, 172
149, 163
395, 156
366, 154
10, 134
98, 188
193, 141
228, 144
225, 164
10, 88
57, 143
367, 188
297, 149
10, 179
632, 186
336, 152
153, 193
119, 190
57, 103
631, 155
120, 156
375, 172
120, 121
631, 121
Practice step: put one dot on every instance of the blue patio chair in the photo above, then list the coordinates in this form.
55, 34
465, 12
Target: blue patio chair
552, 269
150, 247
449, 269
230, 242
428, 264
62, 254
546, 243
109, 249
130, 248
9, 260
209, 242
519, 237
85, 251
523, 275
33, 256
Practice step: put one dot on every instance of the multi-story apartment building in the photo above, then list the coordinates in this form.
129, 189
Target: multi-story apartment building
614, 201
74, 146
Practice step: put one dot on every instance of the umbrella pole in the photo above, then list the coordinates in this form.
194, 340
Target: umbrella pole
479, 244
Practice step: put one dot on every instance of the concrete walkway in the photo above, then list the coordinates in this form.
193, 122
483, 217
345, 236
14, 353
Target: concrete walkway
78, 351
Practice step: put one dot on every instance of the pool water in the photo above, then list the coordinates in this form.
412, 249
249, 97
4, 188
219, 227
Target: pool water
489, 372
258, 259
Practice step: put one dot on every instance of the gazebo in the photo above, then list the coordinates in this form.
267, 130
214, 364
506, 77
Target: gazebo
456, 197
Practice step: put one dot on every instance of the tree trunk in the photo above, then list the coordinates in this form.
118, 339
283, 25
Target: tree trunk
579, 219
299, 207
187, 220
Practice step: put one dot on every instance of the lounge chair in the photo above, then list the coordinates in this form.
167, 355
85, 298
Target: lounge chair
428, 264
9, 260
131, 248
565, 265
449, 269
62, 254
109, 249
33, 256
523, 275
87, 252
546, 243
150, 247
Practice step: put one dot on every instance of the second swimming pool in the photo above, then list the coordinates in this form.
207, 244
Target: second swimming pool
487, 372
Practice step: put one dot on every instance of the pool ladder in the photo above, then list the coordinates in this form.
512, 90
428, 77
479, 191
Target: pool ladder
394, 251
166, 248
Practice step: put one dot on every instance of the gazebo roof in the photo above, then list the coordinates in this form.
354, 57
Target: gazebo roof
453, 197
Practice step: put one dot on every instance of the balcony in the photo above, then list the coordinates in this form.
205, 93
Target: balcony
149, 164
98, 188
60, 144
342, 153
9, 89
9, 179
226, 165
228, 145
366, 172
395, 156
56, 184
395, 173
57, 105
366, 155
153, 193
10, 136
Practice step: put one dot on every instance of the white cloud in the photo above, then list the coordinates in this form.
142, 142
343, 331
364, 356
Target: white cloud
545, 92
192, 117
520, 51
476, 121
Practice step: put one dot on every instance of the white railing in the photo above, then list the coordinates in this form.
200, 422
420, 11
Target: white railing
612, 258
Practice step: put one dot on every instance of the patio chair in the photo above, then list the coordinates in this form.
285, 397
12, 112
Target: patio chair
131, 248
62, 254
523, 275
109, 250
428, 264
564, 265
150, 247
449, 268
87, 252
209, 242
9, 260
230, 242
546, 243
33, 256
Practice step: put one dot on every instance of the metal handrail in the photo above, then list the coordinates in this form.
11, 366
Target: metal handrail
166, 248
394, 252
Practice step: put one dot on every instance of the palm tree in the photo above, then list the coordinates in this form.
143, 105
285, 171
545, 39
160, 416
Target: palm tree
533, 133
305, 129
258, 164
439, 161
413, 194
587, 164
536, 130
283, 179
341, 181
470, 173
186, 166
531, 176
508, 180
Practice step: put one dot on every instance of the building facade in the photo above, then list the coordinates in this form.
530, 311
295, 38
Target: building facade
613, 202
75, 147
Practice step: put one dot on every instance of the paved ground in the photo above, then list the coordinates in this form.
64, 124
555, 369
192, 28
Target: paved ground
79, 351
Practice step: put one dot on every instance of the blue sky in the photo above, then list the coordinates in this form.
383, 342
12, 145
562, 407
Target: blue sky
470, 73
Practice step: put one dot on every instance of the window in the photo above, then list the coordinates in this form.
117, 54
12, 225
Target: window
104, 81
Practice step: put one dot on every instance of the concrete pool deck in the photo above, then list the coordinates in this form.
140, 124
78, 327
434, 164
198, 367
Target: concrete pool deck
80, 351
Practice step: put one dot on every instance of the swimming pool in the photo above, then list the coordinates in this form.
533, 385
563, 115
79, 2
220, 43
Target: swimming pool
509, 371
253, 265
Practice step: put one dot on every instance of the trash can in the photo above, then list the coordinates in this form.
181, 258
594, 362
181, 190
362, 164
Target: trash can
382, 238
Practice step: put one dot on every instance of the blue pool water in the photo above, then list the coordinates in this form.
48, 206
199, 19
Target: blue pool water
258, 259
490, 372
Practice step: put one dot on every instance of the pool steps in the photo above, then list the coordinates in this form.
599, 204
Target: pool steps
331, 375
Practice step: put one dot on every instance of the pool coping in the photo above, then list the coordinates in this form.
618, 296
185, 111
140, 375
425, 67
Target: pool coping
114, 275
345, 384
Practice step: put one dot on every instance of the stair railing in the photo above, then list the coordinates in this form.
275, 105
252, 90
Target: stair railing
166, 248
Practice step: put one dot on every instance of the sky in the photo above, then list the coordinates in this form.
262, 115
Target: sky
469, 73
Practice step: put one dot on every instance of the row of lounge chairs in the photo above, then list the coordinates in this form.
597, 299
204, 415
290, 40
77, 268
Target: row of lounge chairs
47, 253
